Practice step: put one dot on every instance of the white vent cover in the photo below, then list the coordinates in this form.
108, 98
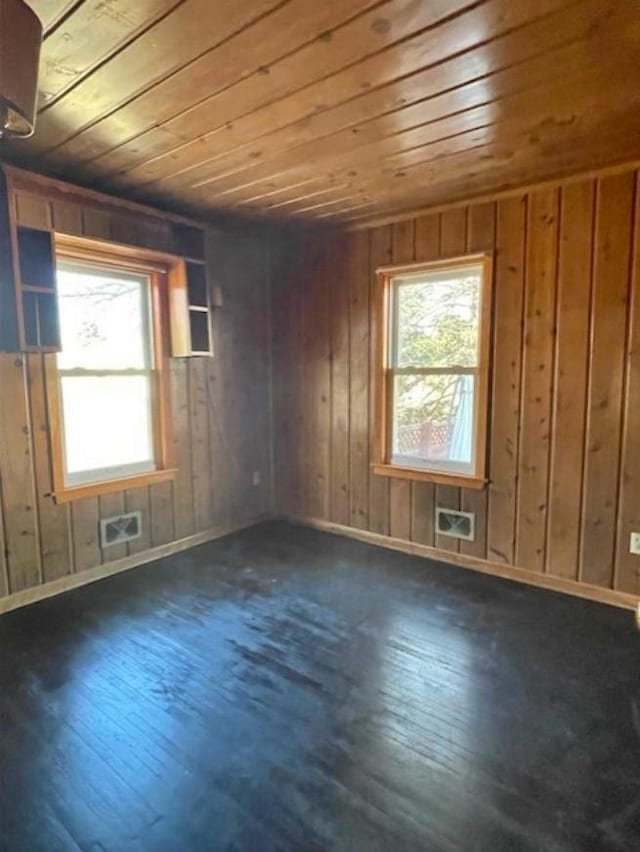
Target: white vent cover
120, 529
455, 524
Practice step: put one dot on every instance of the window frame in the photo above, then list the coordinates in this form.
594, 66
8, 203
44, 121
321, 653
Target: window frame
158, 267
384, 372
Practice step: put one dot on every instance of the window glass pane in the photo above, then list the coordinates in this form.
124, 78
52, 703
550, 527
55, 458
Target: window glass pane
107, 424
433, 422
437, 318
104, 318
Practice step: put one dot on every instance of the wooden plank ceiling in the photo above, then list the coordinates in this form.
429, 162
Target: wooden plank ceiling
346, 110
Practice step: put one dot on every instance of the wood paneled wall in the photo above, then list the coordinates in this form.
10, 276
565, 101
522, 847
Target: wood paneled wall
564, 422
221, 417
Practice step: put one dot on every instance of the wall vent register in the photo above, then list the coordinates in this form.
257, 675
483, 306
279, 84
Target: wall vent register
120, 529
455, 524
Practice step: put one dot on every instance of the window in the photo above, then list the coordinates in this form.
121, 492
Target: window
433, 360
107, 385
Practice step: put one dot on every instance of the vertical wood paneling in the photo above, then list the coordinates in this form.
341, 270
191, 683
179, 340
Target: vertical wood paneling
109, 506
67, 218
137, 500
379, 486
338, 288
481, 226
200, 459
453, 241
627, 567
557, 465
286, 367
33, 212
214, 457
183, 508
96, 223
504, 416
85, 525
316, 384
569, 399
4, 573
537, 379
427, 238
53, 519
614, 217
359, 382
222, 397
161, 507
24, 566
400, 490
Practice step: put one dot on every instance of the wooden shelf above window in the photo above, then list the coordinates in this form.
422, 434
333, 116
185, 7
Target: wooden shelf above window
36, 292
189, 242
28, 290
190, 309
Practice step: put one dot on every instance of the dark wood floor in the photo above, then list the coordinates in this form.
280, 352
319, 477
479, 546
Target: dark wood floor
283, 689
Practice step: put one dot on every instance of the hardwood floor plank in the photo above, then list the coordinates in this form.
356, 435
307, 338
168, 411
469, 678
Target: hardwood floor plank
285, 689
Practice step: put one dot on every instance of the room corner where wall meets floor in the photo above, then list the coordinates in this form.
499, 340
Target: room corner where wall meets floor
319, 426
219, 408
563, 471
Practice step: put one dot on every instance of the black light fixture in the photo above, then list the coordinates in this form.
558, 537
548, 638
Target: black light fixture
20, 39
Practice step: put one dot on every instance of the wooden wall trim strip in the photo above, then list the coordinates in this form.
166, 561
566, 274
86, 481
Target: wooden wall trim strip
474, 563
53, 189
74, 581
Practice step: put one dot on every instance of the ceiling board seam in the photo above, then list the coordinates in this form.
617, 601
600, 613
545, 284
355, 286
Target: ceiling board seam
211, 95
62, 17
445, 19
156, 81
362, 187
557, 180
518, 92
388, 83
373, 161
104, 60
318, 80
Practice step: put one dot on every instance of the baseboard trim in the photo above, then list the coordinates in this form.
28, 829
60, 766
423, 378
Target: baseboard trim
611, 597
74, 581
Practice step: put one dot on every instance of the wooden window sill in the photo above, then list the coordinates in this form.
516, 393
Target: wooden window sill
112, 486
429, 476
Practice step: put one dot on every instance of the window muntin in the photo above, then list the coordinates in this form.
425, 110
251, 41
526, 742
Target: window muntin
105, 372
435, 367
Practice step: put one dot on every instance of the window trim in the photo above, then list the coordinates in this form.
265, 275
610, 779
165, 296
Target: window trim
383, 401
158, 267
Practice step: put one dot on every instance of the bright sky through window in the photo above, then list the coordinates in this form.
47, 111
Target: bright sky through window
434, 369
105, 372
